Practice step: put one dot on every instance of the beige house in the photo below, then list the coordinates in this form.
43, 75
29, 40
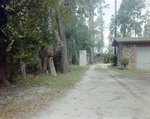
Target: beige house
136, 48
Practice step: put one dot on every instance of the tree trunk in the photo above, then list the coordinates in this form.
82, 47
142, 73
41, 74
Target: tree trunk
91, 24
52, 67
91, 28
62, 34
3, 76
10, 70
70, 57
23, 69
45, 63
40, 66
76, 53
51, 61
64, 51
70, 51
91, 57
60, 63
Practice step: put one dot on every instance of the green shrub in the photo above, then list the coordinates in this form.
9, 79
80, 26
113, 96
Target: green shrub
108, 58
125, 61
104, 58
113, 60
32, 66
100, 59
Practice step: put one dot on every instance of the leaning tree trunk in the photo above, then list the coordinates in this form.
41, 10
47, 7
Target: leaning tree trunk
61, 37
52, 67
51, 61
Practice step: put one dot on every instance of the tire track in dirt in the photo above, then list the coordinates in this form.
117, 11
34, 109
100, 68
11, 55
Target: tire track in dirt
125, 85
98, 96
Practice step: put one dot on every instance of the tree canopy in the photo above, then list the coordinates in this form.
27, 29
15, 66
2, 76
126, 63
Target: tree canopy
32, 31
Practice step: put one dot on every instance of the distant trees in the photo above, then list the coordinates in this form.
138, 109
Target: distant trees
86, 36
129, 17
111, 28
146, 21
100, 26
133, 19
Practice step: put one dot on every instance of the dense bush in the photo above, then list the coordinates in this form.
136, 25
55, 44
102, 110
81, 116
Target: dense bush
114, 60
125, 61
105, 57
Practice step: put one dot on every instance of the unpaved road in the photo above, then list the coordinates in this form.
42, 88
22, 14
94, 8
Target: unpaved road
103, 96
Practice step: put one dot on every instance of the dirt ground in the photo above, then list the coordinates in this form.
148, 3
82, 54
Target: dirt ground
103, 96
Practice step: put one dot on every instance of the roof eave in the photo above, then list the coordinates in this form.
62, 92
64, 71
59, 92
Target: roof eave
133, 41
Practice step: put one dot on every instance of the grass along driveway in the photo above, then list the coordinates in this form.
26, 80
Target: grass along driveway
128, 71
25, 100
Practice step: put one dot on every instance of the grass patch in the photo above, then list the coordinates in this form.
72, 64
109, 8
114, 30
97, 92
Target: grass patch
46, 89
128, 71
99, 69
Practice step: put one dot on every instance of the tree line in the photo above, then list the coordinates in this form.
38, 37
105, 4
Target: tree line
133, 20
41, 35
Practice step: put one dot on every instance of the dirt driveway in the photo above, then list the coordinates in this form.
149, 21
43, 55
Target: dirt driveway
103, 96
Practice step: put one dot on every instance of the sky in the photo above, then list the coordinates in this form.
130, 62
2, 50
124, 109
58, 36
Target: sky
108, 13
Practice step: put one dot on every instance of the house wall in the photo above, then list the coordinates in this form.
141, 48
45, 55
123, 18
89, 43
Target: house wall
129, 50
119, 54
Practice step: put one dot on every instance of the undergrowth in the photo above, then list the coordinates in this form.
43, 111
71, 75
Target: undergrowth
46, 88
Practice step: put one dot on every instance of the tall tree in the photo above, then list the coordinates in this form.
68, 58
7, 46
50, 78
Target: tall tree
129, 17
146, 21
64, 66
99, 25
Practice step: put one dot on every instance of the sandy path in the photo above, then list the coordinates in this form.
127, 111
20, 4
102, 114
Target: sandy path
102, 96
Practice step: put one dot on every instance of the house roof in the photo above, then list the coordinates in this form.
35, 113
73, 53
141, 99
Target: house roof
130, 40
